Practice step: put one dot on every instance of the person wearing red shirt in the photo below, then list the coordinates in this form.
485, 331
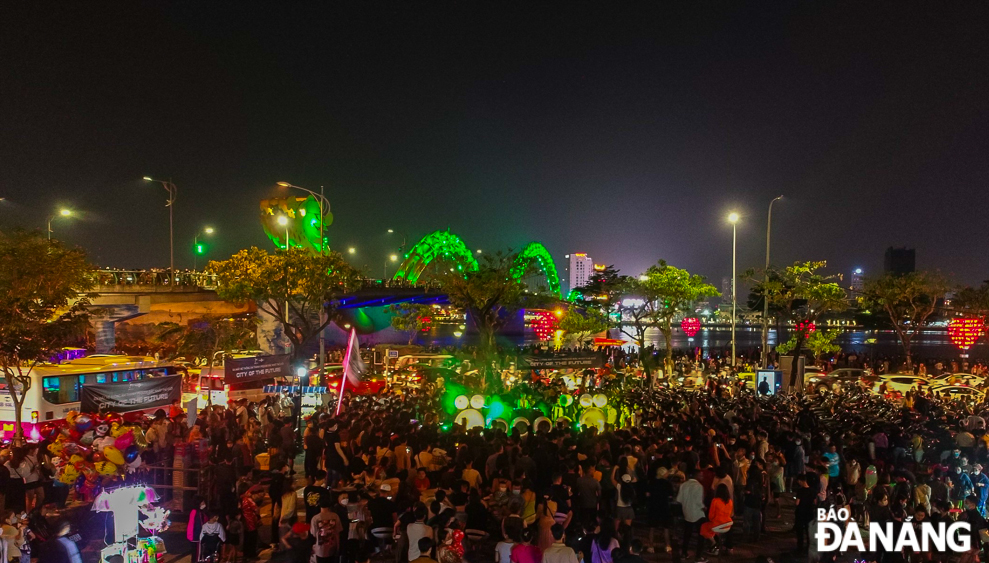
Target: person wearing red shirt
252, 520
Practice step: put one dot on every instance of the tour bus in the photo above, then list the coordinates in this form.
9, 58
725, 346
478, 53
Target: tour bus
56, 388
212, 388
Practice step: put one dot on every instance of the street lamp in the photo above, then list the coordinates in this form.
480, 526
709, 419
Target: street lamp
392, 258
733, 219
402, 248
765, 299
322, 201
199, 248
61, 213
283, 221
172, 192
351, 250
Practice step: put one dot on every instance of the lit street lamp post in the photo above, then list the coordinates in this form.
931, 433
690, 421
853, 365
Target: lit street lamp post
733, 219
283, 221
765, 300
61, 213
172, 192
393, 258
197, 249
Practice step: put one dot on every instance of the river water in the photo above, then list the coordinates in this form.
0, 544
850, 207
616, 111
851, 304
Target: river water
928, 344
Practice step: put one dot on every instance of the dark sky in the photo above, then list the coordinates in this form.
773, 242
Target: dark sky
625, 133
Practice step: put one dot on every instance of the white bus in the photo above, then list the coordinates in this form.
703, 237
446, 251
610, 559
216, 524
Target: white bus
56, 388
213, 389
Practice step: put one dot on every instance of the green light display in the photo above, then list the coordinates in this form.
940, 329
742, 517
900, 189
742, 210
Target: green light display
301, 221
446, 246
535, 255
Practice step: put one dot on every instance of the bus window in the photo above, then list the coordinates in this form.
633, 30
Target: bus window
100, 378
115, 377
61, 389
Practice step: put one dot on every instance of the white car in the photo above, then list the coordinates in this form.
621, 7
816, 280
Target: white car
901, 382
957, 378
960, 392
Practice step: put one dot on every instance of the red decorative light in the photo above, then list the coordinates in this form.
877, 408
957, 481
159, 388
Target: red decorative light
965, 331
690, 325
426, 323
806, 326
543, 323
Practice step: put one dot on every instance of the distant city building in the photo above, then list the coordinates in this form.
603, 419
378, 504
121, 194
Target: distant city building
726, 289
581, 268
858, 281
899, 261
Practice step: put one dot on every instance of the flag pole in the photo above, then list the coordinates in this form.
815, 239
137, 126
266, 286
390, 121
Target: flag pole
346, 367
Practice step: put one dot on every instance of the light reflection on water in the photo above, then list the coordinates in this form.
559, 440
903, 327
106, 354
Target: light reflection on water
927, 344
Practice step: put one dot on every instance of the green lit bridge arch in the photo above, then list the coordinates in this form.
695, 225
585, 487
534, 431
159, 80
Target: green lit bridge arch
450, 248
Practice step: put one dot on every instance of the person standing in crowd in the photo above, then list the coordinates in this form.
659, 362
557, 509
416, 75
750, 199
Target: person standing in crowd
325, 528
691, 499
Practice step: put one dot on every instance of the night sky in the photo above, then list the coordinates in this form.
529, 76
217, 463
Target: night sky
627, 134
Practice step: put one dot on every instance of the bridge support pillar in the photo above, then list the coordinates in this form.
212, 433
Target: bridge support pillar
106, 335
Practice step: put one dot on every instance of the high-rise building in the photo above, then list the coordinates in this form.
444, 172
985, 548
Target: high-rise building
858, 281
899, 261
726, 289
581, 269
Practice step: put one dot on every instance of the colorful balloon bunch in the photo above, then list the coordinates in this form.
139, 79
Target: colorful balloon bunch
91, 450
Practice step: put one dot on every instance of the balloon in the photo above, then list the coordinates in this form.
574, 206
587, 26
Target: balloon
48, 431
56, 447
83, 422
131, 454
113, 455
102, 429
116, 430
139, 438
76, 458
74, 434
124, 441
69, 475
132, 466
89, 471
87, 438
98, 456
106, 468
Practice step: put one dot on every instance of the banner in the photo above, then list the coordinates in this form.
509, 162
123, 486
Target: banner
132, 396
239, 370
575, 361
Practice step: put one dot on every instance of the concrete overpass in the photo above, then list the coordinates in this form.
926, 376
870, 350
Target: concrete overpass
123, 295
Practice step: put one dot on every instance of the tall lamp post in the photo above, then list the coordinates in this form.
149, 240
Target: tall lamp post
322, 201
765, 300
198, 248
321, 198
61, 213
172, 192
392, 258
733, 219
283, 221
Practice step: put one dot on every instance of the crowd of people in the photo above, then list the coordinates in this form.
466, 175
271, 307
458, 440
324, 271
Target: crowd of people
699, 472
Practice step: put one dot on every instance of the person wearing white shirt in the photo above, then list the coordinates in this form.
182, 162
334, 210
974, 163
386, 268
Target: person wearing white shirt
691, 499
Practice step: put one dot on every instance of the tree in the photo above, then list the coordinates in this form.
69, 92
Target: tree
42, 307
907, 300
291, 285
411, 318
580, 325
490, 294
203, 337
622, 301
801, 294
671, 293
820, 343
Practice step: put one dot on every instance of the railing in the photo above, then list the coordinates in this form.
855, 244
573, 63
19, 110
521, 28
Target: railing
155, 278
204, 280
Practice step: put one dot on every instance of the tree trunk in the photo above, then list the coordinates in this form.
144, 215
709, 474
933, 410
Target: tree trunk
668, 361
798, 349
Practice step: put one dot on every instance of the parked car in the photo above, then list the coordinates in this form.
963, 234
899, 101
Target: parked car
900, 382
841, 377
957, 378
960, 392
